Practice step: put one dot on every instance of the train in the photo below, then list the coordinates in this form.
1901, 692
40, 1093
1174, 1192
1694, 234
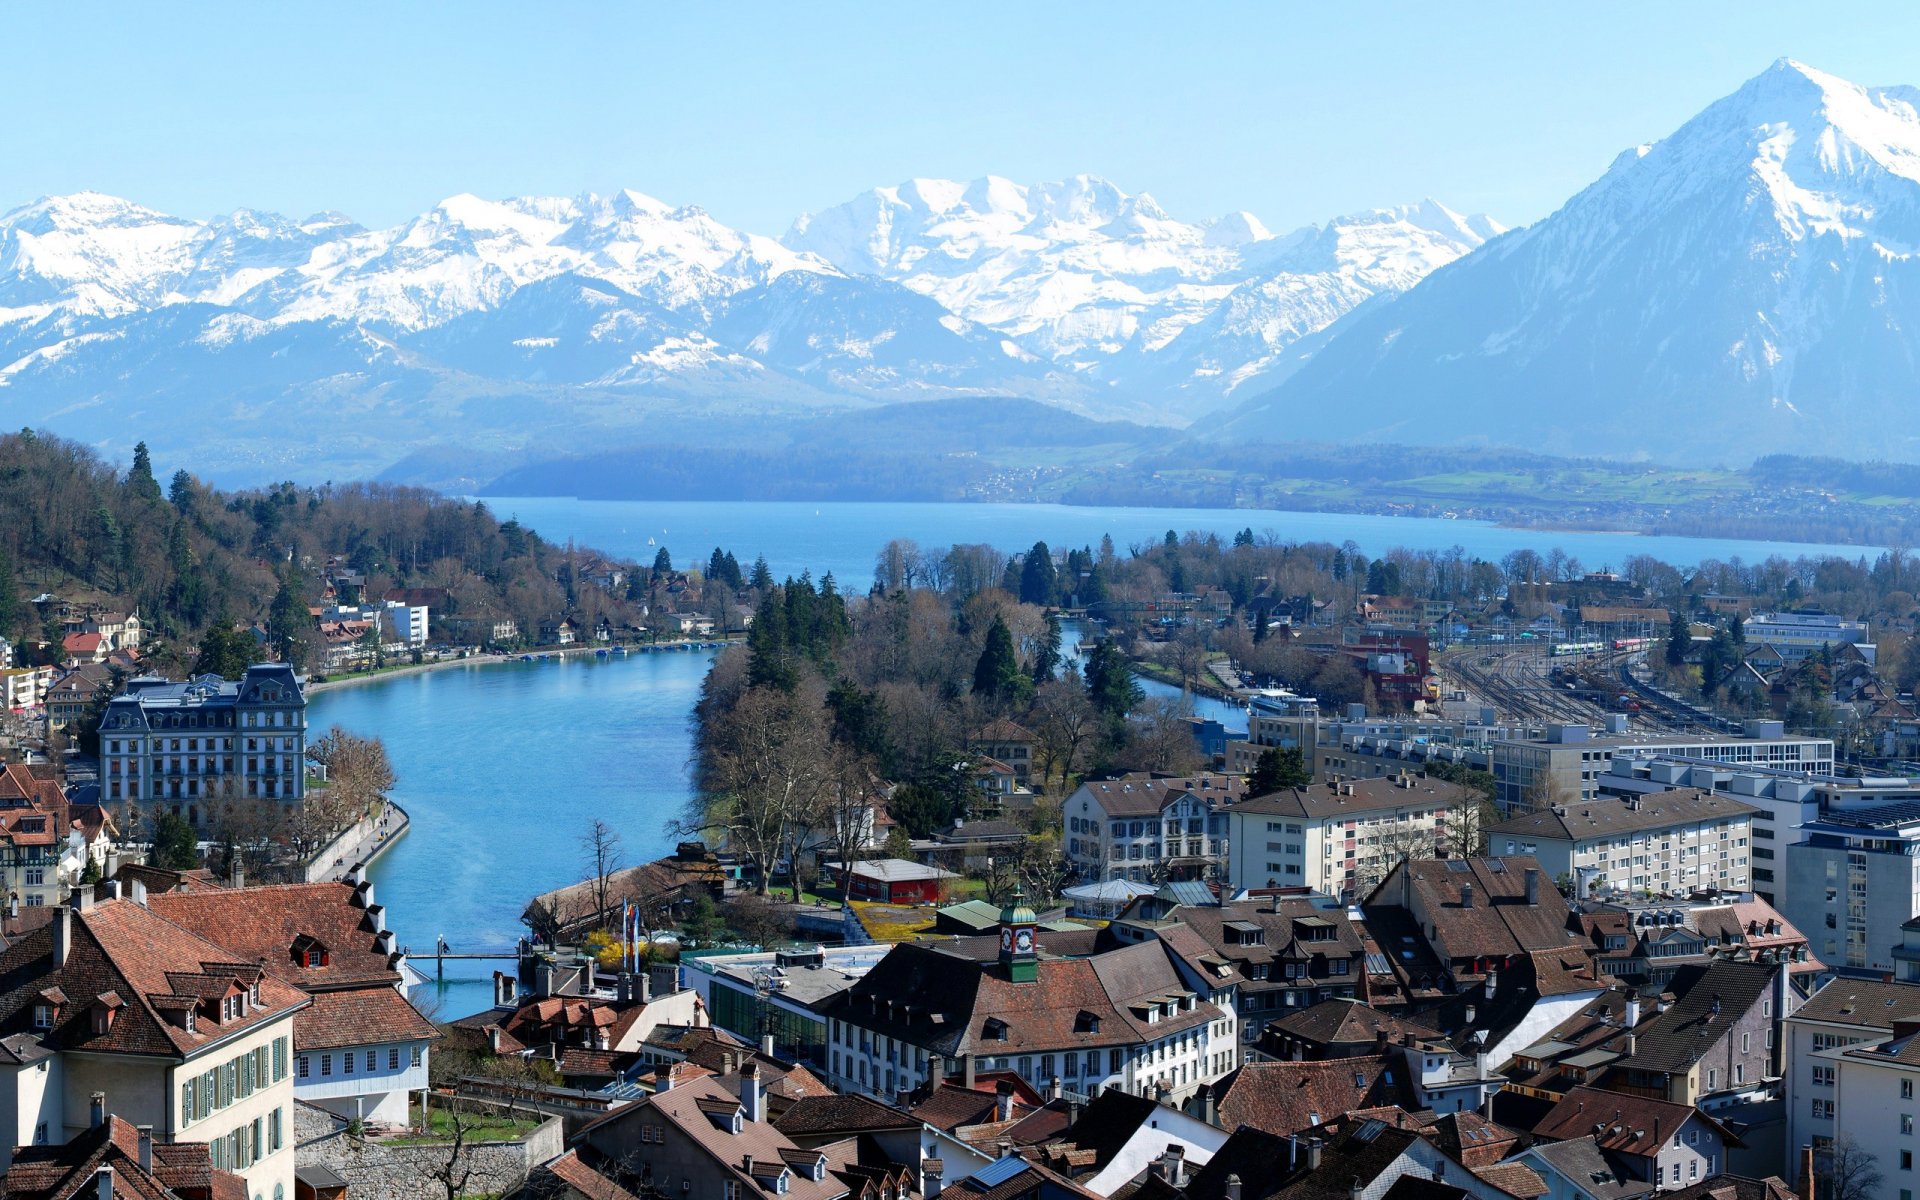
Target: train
1631, 643
1569, 649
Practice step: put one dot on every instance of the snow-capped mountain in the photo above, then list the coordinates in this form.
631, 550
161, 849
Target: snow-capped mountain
1075, 293
1747, 285
1110, 287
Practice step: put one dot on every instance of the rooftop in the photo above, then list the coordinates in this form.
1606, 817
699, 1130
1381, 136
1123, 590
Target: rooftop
1609, 816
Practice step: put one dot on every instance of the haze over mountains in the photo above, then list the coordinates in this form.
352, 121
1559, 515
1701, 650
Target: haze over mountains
1743, 286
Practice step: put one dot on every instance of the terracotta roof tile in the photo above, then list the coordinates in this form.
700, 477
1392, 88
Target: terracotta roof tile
261, 924
359, 1017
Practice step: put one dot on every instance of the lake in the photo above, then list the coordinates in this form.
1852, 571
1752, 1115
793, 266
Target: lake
843, 538
502, 765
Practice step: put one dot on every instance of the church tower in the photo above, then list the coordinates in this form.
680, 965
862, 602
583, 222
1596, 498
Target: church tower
1018, 953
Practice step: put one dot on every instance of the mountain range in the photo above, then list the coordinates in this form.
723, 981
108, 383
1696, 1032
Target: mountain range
1744, 286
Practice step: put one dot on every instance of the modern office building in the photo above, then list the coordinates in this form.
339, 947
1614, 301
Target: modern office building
1854, 882
1565, 766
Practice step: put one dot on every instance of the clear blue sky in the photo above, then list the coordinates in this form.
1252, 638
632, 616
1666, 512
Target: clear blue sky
759, 112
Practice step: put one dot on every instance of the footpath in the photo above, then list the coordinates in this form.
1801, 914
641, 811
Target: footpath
369, 838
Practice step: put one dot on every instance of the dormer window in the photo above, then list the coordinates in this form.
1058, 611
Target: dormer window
43, 1016
995, 1030
1086, 1022
309, 952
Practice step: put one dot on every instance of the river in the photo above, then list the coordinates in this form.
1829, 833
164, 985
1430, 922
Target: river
502, 765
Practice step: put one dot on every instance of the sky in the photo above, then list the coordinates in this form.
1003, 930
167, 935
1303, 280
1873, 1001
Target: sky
757, 113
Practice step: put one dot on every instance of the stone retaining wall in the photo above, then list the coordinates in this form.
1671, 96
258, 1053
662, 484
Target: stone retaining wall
379, 1171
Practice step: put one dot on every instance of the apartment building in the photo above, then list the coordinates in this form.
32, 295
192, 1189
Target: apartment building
111, 999
1150, 827
186, 744
1355, 746
1798, 634
1845, 1013
1854, 881
1565, 765
1670, 843
1337, 837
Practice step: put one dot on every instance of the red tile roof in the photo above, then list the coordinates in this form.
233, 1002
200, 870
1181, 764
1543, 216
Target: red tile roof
358, 1017
260, 924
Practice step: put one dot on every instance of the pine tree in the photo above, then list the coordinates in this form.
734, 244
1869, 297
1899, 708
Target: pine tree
1278, 768
1110, 682
663, 562
997, 675
1679, 639
762, 575
1047, 655
289, 624
770, 661
174, 844
140, 480
180, 491
1039, 583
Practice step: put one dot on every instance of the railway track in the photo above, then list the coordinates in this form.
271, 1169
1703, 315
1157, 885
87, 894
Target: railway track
1517, 682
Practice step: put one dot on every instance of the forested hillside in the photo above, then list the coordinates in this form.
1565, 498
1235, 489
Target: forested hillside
188, 557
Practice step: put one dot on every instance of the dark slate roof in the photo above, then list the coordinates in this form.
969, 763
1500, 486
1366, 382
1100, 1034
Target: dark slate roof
1679, 1037
1867, 1003
1580, 1161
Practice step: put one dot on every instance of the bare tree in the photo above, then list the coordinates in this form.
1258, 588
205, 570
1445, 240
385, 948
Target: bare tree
600, 850
1067, 726
359, 776
1468, 818
457, 1169
768, 767
1846, 1171
1160, 739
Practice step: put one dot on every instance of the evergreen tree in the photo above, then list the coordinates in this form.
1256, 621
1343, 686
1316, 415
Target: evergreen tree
1738, 631
140, 480
770, 661
762, 578
716, 567
1047, 656
174, 845
997, 675
663, 562
1244, 537
1277, 768
732, 564
289, 624
1110, 682
1679, 639
224, 651
12, 609
1039, 584
180, 491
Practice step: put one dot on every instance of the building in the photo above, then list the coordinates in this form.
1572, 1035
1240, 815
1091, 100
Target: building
1150, 827
411, 622
74, 694
895, 881
1339, 837
1715, 1047
1846, 1012
1291, 952
1654, 1141
1853, 882
112, 999
114, 1160
1565, 766
1799, 634
45, 843
1648, 941
1142, 1017
1669, 843
116, 631
783, 993
1010, 743
186, 744
360, 1046
24, 689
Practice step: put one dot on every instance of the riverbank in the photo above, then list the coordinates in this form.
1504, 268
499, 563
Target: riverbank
362, 844
334, 683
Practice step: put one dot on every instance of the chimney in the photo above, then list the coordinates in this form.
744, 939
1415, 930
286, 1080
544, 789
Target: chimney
1355, 1189
766, 1044
103, 1183
930, 1178
1380, 1038
237, 876
1471, 1012
643, 988
1176, 1160
113, 889
966, 1070
1632, 1014
493, 1038
1233, 1187
139, 892
936, 1068
1533, 887
1314, 1147
82, 899
623, 988
62, 934
1054, 1090
1161, 1091
1003, 1100
1493, 981
146, 1148
505, 989
751, 1098
1466, 895
96, 1110
665, 979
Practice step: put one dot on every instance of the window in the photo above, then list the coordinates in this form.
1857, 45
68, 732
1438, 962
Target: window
416, 1056
1906, 1160
372, 1061
393, 1058
303, 1065
273, 1131
1822, 1109
1906, 1085
346, 1063
326, 1065
1906, 1124
43, 1016
1823, 1077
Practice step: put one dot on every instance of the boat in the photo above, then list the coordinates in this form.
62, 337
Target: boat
526, 658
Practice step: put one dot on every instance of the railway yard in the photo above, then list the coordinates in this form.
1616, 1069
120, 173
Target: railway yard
1581, 685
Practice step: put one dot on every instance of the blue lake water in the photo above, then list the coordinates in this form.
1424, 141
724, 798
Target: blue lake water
843, 538
501, 766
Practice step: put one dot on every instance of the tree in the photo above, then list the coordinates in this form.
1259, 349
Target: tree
289, 624
224, 651
997, 677
600, 851
758, 921
174, 846
766, 766
1046, 655
1846, 1171
140, 480
1471, 814
358, 776
1679, 639
663, 562
1067, 725
1039, 583
1278, 768
1110, 682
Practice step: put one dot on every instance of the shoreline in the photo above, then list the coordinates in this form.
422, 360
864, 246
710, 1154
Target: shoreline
485, 660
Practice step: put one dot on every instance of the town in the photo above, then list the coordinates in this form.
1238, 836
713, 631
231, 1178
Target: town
1518, 879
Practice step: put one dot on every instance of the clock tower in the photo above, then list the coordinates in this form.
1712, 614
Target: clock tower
1018, 952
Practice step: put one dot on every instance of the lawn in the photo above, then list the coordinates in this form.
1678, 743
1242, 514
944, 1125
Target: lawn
486, 1125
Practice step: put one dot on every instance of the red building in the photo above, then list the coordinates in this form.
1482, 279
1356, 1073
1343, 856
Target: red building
895, 881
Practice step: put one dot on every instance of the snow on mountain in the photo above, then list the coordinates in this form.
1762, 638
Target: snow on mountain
1110, 286
91, 255
1747, 285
